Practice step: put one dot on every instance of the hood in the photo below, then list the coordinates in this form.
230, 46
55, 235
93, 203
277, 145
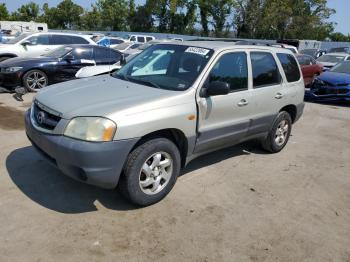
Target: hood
327, 64
20, 61
335, 78
102, 96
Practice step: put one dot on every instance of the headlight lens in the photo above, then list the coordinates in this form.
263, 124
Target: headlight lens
12, 69
95, 129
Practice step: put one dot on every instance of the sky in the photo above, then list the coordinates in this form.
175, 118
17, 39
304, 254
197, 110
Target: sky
341, 6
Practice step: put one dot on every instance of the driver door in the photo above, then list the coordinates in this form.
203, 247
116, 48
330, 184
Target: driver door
225, 119
38, 45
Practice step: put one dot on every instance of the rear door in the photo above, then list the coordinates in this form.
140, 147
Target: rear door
268, 94
224, 120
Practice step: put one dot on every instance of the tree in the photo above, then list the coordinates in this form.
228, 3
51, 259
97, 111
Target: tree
28, 12
91, 20
142, 21
113, 13
339, 37
219, 11
4, 14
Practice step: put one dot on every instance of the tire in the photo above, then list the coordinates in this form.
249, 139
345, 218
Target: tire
279, 134
34, 80
143, 181
3, 58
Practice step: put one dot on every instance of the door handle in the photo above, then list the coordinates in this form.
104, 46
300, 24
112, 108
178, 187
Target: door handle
278, 96
243, 102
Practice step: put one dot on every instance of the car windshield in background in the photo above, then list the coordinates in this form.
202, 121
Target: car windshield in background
343, 67
339, 50
166, 66
123, 46
17, 39
59, 52
331, 58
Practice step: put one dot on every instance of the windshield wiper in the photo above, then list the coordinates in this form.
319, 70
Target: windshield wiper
137, 80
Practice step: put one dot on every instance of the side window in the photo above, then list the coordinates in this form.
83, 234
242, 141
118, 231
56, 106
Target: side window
232, 69
106, 55
265, 70
116, 41
39, 40
348, 58
60, 40
140, 39
133, 39
149, 39
290, 67
82, 53
79, 40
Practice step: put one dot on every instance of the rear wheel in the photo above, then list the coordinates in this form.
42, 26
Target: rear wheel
279, 134
34, 80
151, 172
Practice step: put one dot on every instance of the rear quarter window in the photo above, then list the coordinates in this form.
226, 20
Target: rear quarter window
290, 67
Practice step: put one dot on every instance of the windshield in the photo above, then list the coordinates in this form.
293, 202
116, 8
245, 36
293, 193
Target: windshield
343, 67
17, 39
123, 46
172, 67
331, 58
59, 52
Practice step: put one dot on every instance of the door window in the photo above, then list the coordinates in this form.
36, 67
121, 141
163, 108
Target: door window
290, 67
106, 55
232, 69
82, 53
265, 70
140, 39
149, 38
39, 40
60, 40
78, 40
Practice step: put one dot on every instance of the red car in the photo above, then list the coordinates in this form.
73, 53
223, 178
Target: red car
309, 67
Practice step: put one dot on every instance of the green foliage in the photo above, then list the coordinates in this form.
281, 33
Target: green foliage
268, 19
28, 12
4, 14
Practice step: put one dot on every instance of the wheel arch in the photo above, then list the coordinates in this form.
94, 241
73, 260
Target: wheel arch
173, 134
291, 110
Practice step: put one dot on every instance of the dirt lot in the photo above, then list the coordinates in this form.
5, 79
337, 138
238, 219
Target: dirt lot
238, 204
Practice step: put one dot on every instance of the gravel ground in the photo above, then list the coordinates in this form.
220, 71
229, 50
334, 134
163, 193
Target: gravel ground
238, 204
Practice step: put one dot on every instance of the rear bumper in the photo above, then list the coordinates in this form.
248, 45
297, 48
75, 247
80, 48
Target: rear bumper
99, 164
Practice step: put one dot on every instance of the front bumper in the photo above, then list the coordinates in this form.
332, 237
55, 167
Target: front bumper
99, 164
11, 80
337, 94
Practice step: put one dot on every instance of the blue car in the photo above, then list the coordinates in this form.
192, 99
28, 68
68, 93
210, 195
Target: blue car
332, 85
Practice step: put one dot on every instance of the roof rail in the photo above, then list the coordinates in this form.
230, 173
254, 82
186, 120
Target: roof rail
247, 42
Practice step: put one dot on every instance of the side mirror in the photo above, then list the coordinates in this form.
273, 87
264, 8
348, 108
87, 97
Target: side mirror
69, 58
216, 88
25, 43
122, 60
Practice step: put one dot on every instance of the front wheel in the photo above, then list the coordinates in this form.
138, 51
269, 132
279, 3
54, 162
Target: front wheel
279, 134
150, 172
34, 80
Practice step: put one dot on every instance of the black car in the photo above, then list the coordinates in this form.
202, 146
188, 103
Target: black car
57, 66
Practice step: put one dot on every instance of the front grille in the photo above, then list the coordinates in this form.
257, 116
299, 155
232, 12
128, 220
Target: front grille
43, 118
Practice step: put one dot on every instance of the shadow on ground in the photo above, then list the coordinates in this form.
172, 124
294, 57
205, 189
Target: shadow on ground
47, 186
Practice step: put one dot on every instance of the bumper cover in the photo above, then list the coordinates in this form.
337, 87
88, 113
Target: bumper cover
99, 164
10, 80
313, 95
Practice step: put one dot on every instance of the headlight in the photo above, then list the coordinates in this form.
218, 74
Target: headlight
95, 129
11, 69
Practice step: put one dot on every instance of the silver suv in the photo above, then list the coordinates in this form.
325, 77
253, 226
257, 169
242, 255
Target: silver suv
173, 102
